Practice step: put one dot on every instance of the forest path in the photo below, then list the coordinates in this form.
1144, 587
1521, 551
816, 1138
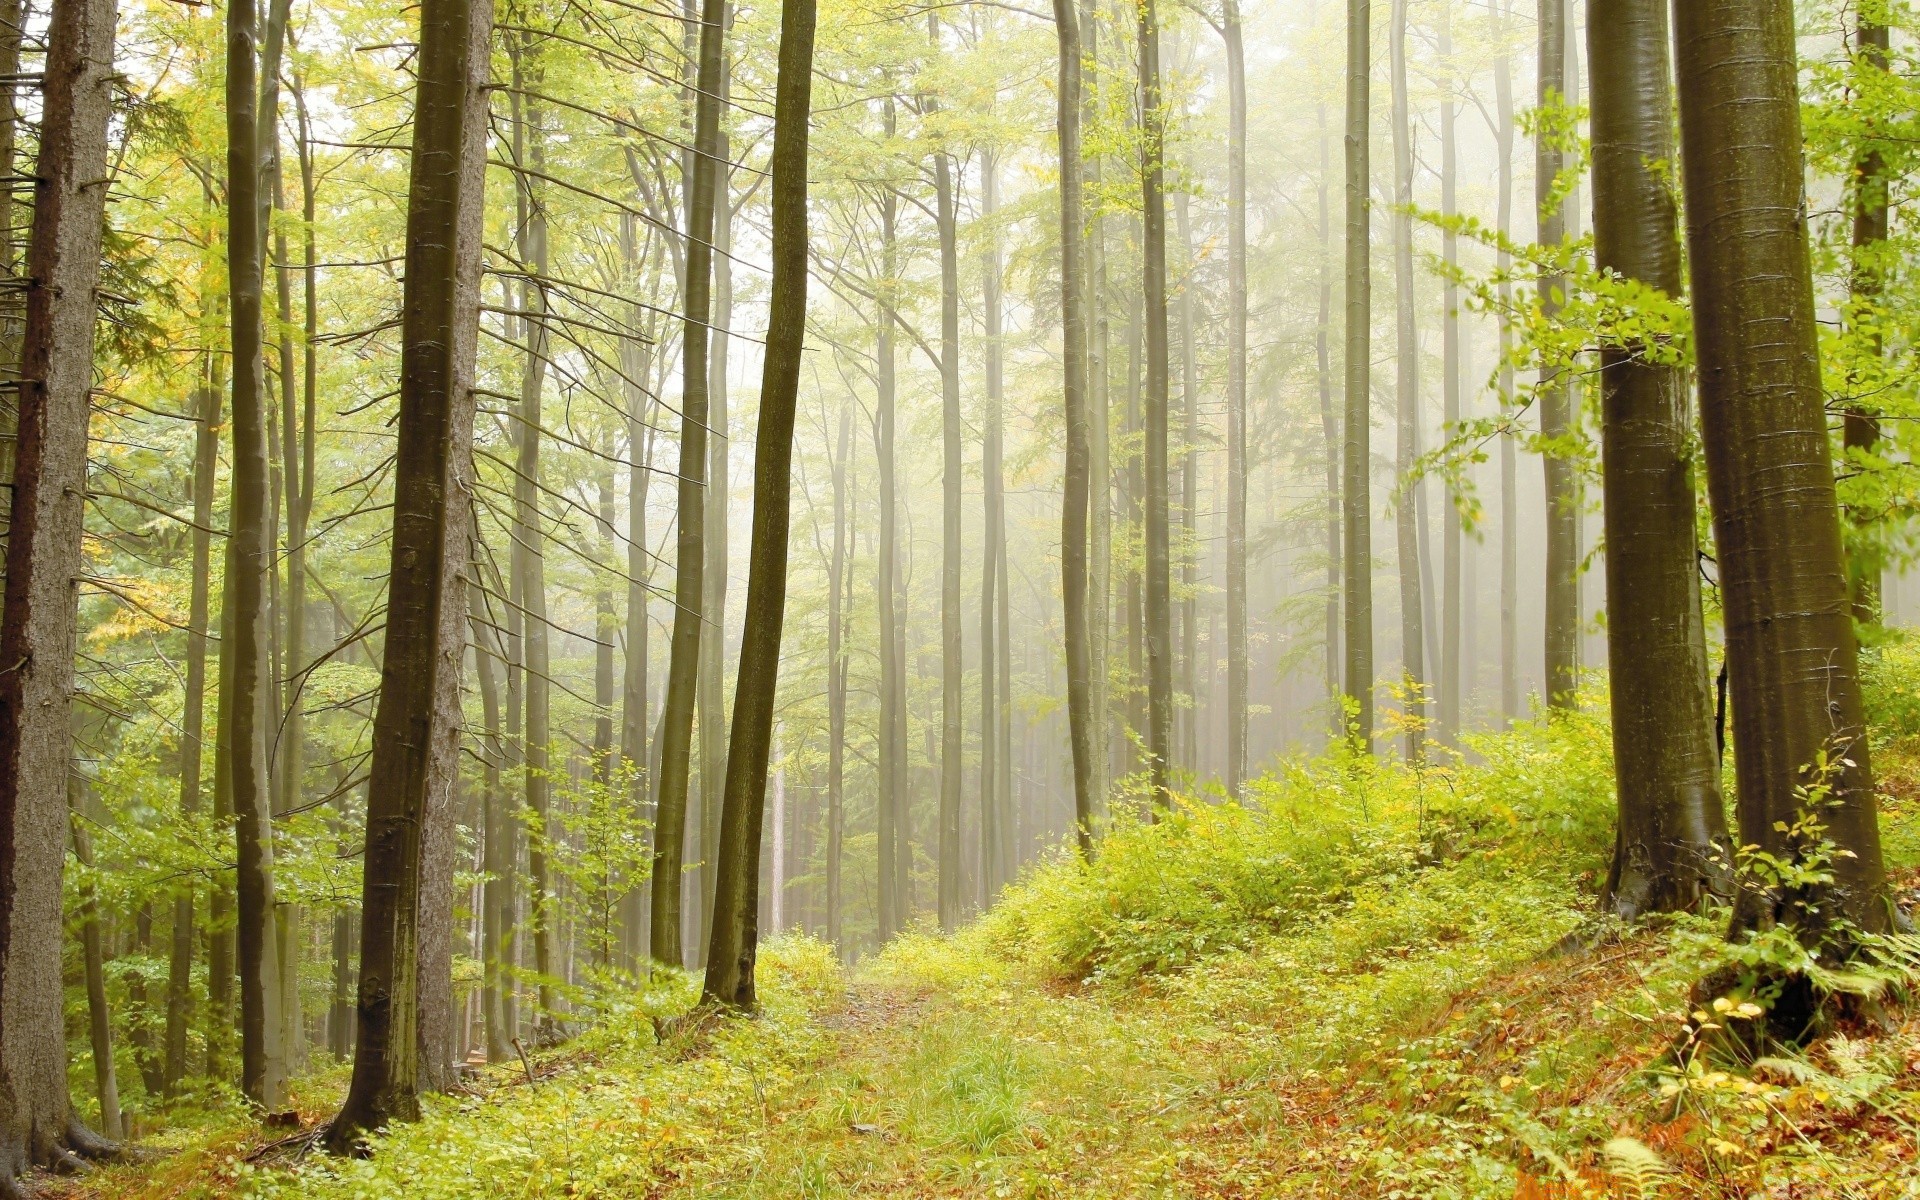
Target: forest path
981, 1090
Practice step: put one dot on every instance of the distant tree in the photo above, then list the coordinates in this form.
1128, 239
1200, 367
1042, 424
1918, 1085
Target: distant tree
1356, 495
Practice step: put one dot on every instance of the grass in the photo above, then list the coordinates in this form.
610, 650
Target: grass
1371, 982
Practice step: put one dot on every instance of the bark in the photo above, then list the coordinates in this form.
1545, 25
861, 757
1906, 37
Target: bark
1406, 382
890, 802
837, 602
496, 842
1509, 468
403, 1007
1329, 434
1452, 598
1791, 656
1860, 427
1671, 849
683, 663
1099, 457
1356, 496
1236, 650
713, 648
993, 580
951, 750
606, 628
730, 959
93, 964
43, 557
635, 354
1556, 399
1186, 675
1070, 96
1158, 614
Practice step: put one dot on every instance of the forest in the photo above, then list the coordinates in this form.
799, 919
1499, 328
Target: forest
969, 598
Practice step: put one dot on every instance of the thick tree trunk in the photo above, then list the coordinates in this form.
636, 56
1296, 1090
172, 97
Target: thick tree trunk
1556, 398
1860, 428
1406, 383
403, 1037
683, 664
730, 959
43, 557
1082, 729
1236, 650
1356, 496
1671, 851
1158, 613
1791, 657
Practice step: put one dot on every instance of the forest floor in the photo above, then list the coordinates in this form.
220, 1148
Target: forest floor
1462, 1027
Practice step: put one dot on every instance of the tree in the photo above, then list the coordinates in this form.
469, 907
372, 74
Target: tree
1452, 615
1406, 382
1556, 400
1793, 682
948, 839
43, 558
1671, 851
1158, 614
416, 727
1860, 428
837, 602
1356, 493
1237, 394
730, 959
1069, 98
683, 655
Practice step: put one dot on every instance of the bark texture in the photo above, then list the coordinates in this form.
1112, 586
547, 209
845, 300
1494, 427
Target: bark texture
1356, 492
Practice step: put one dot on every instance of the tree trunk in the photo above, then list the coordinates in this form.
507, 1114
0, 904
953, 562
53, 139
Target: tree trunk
1158, 613
713, 646
1671, 851
1860, 428
93, 964
1509, 469
993, 536
1187, 759
1237, 399
1406, 382
837, 602
1791, 656
1556, 399
951, 750
635, 356
1099, 457
1452, 598
496, 842
1356, 493
403, 1041
683, 664
43, 557
1069, 97
890, 801
730, 959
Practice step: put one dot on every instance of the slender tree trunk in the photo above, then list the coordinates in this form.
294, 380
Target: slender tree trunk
1791, 656
402, 1043
43, 557
1671, 851
635, 356
1070, 97
713, 647
730, 960
93, 964
1556, 399
1237, 398
1356, 492
951, 724
676, 732
1509, 468
1099, 456
1186, 673
993, 533
1860, 428
1452, 616
890, 803
837, 598
1159, 566
1406, 382
192, 723
495, 842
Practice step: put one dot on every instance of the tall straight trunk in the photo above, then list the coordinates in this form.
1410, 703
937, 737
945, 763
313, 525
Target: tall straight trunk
635, 364
1452, 598
402, 1044
529, 549
730, 959
249, 566
1187, 672
43, 558
1099, 454
206, 449
1509, 469
837, 589
890, 800
994, 532
1329, 433
1158, 612
11, 34
93, 966
1860, 428
1082, 728
1671, 848
496, 843
951, 750
683, 661
1793, 682
1556, 398
1406, 383
606, 628
1236, 650
713, 648
1356, 494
